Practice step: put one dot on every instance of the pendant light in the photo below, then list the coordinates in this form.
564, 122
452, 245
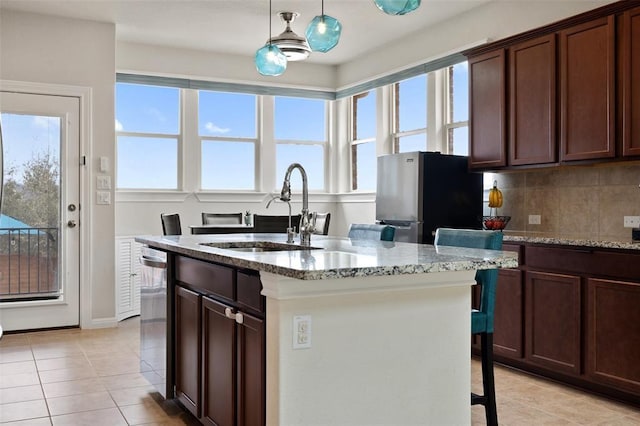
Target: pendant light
397, 7
269, 59
323, 32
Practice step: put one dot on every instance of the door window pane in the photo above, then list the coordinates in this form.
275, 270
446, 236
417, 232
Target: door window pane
30, 215
311, 157
411, 104
226, 114
147, 109
149, 163
300, 119
220, 162
364, 173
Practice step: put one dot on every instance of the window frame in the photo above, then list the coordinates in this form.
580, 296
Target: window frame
354, 142
397, 134
449, 125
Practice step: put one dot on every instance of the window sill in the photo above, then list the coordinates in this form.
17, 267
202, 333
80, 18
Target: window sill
151, 196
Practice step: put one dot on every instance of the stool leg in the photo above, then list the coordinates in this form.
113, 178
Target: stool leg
488, 380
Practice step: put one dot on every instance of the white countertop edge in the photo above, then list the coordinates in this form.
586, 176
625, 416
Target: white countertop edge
285, 288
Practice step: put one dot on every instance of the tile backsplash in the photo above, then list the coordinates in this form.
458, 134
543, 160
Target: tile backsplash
585, 202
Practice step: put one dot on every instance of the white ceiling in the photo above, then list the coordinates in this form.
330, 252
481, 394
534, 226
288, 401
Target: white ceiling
242, 26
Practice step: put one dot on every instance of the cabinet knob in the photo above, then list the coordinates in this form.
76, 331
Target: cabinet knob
239, 318
228, 312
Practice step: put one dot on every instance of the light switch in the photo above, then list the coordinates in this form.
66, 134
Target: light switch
104, 164
103, 197
103, 182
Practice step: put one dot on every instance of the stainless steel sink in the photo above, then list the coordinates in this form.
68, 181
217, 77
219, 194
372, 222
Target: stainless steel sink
258, 246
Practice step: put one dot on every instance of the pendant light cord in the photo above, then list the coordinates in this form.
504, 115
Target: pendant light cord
270, 23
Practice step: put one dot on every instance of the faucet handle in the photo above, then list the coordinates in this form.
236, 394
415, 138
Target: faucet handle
313, 216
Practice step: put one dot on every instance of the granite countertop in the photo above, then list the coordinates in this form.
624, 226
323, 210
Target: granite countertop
523, 237
334, 257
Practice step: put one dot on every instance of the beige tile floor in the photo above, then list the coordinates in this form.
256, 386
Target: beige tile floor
90, 377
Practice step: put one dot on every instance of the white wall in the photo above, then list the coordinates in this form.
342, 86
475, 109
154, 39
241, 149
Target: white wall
42, 49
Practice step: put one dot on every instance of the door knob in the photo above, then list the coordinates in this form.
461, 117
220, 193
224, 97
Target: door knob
71, 224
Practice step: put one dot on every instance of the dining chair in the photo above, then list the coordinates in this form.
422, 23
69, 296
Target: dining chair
274, 224
171, 224
482, 318
221, 218
322, 223
366, 231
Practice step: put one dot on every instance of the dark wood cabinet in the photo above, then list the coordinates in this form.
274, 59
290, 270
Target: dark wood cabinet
629, 82
220, 343
587, 90
487, 110
552, 321
508, 325
532, 102
219, 364
613, 333
188, 349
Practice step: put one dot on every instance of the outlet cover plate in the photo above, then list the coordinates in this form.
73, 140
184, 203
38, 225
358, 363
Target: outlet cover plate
632, 221
535, 219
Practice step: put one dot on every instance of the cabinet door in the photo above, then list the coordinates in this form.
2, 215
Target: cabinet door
552, 321
188, 353
507, 333
251, 372
487, 110
613, 333
630, 53
532, 100
219, 364
587, 91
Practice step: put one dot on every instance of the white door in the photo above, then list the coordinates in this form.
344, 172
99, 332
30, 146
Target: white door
39, 221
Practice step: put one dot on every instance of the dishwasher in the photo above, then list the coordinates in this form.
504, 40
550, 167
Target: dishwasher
153, 318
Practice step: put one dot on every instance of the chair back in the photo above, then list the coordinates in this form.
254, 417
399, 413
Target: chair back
487, 278
171, 224
322, 223
366, 231
274, 224
221, 218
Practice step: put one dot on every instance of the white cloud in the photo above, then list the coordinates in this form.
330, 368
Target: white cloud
119, 127
212, 128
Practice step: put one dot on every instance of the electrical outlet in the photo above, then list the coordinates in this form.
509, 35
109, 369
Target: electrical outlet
301, 331
632, 221
534, 219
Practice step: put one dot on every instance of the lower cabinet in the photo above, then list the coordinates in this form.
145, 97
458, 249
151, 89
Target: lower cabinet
572, 313
613, 333
552, 321
220, 344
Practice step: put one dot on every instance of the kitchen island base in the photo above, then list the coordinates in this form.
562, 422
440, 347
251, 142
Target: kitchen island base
384, 350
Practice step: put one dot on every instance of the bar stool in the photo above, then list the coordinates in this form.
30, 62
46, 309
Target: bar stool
482, 319
365, 231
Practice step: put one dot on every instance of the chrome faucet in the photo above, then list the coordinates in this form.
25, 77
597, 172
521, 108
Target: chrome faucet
307, 221
291, 231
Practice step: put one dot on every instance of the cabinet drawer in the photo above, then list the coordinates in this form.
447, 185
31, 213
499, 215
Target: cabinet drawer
248, 291
206, 277
584, 261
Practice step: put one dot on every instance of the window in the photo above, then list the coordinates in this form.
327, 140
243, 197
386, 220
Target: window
363, 141
148, 136
410, 114
227, 124
457, 117
301, 137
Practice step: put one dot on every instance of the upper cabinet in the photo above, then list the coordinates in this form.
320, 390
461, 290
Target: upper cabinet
487, 110
532, 99
587, 91
565, 93
630, 84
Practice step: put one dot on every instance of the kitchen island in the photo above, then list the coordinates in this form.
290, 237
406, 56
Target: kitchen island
354, 332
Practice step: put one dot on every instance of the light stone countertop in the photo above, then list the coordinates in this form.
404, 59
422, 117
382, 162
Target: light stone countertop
523, 237
334, 257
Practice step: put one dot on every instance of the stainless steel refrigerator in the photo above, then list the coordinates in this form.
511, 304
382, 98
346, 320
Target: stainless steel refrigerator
418, 192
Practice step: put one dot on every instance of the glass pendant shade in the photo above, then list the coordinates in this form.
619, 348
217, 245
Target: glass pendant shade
397, 7
323, 33
270, 60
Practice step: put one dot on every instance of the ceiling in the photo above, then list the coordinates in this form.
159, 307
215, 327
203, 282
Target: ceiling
242, 26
